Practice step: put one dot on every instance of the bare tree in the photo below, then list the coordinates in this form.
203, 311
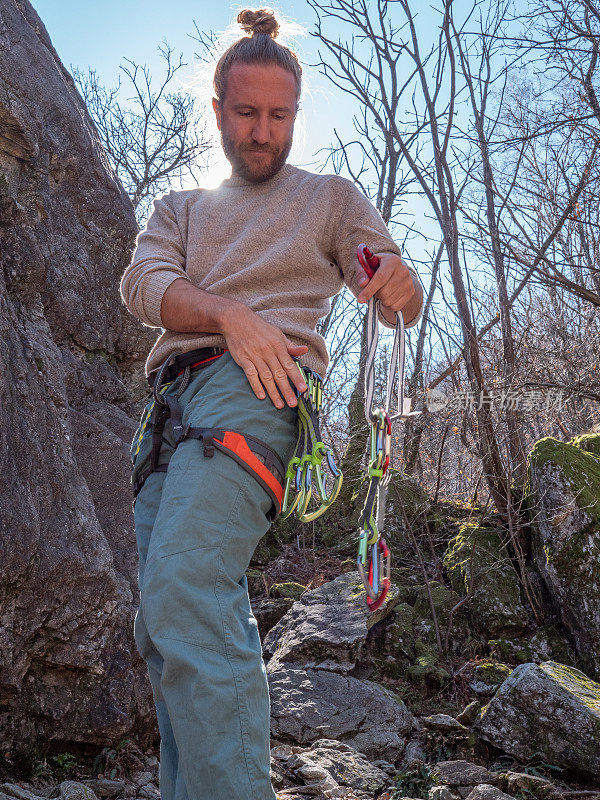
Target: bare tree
156, 137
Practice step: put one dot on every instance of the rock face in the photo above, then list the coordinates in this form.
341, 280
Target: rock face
565, 512
478, 565
69, 359
546, 709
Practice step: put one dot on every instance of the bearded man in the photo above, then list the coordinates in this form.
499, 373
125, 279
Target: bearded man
238, 278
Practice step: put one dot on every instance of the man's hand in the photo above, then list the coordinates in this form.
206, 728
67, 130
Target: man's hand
264, 353
393, 285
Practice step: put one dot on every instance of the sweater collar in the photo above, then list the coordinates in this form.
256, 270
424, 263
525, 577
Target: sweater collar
237, 180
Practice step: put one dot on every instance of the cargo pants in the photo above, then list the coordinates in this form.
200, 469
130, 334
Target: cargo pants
197, 526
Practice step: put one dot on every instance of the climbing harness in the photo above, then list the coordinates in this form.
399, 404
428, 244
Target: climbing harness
251, 453
373, 560
305, 466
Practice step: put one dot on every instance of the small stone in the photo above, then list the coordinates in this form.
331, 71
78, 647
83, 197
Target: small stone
443, 723
149, 791
277, 778
105, 787
13, 790
143, 778
440, 793
469, 714
486, 792
413, 751
388, 768
281, 752
518, 781
73, 790
462, 773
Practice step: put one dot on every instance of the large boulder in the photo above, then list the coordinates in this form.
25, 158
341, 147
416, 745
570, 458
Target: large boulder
327, 626
548, 710
311, 704
564, 501
479, 567
70, 365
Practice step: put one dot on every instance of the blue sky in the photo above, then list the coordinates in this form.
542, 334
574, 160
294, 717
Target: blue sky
102, 35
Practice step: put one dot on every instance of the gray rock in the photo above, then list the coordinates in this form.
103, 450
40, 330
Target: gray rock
443, 724
72, 378
268, 611
14, 790
105, 787
468, 715
462, 773
149, 791
307, 705
519, 782
547, 709
73, 790
565, 483
326, 627
344, 765
440, 793
487, 792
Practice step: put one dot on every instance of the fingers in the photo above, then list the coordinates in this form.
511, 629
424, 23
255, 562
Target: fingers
379, 279
392, 284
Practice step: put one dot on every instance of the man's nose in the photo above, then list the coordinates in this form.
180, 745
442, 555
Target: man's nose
261, 133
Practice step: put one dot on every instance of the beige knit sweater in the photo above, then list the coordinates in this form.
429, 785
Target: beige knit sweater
283, 247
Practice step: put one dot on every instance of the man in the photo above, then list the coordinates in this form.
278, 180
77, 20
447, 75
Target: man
245, 270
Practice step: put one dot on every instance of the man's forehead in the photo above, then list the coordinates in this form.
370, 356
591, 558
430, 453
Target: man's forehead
264, 83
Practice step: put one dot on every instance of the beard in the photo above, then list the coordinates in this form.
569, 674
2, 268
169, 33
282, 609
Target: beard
246, 165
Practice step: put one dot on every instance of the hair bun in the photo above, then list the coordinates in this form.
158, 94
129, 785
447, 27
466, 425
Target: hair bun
261, 20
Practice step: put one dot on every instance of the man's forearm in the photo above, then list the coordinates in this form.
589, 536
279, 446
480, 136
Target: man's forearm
188, 309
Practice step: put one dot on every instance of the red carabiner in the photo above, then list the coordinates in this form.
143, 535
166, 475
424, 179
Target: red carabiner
368, 260
374, 604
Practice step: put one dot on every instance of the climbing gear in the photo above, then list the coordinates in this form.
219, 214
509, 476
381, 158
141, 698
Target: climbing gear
251, 453
373, 552
305, 466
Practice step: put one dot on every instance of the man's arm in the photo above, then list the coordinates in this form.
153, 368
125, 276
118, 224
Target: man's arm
260, 349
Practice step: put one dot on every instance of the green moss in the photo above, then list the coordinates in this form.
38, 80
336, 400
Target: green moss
493, 673
575, 682
588, 442
288, 589
581, 474
479, 567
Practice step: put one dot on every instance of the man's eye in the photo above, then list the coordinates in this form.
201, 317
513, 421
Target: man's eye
245, 113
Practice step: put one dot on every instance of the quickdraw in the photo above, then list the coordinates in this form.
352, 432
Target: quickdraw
373, 560
305, 467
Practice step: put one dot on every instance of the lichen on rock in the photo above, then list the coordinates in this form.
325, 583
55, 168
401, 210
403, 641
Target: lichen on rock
564, 507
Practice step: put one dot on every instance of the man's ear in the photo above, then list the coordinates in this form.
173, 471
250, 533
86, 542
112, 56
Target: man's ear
217, 109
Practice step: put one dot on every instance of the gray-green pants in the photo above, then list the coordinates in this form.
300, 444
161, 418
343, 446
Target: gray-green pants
197, 526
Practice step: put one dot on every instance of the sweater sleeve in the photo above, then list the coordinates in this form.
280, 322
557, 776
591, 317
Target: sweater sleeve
158, 260
359, 222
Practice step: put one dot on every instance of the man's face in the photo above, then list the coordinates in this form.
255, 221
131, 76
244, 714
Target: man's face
256, 119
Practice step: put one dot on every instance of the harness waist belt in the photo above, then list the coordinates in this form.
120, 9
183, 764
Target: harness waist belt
192, 359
